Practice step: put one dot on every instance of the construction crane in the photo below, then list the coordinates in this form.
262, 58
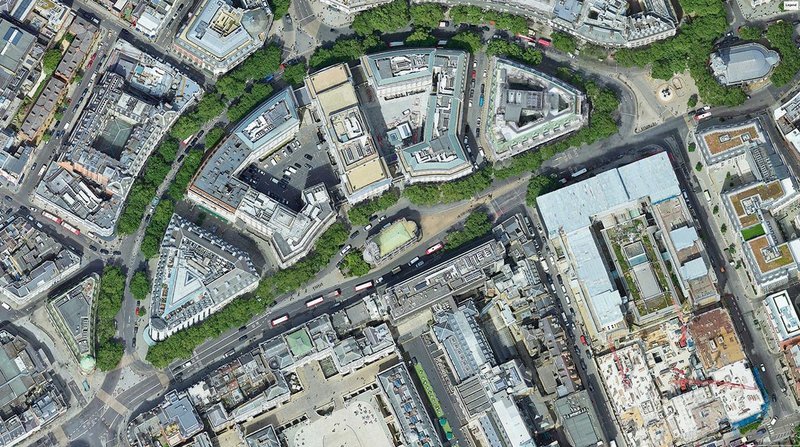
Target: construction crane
684, 382
626, 381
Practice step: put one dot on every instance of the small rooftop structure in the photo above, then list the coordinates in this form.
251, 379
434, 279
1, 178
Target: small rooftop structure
743, 63
71, 313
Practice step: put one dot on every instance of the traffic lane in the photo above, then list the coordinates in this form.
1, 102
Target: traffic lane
417, 349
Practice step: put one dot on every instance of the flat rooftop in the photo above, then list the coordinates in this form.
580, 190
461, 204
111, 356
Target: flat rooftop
783, 316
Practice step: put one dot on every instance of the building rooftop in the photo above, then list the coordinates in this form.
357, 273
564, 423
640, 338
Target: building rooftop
72, 312
220, 35
741, 404
782, 317
743, 63
197, 273
361, 169
264, 437
576, 414
464, 341
259, 130
528, 108
16, 43
442, 281
32, 262
430, 82
408, 407
650, 178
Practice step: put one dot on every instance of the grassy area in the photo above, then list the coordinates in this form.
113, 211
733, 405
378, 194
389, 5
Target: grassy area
434, 401
426, 386
753, 232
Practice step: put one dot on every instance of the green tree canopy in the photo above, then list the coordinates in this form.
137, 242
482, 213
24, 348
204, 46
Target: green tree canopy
50, 60
295, 74
420, 38
108, 350
353, 264
477, 224
750, 32
467, 41
140, 285
359, 214
499, 47
426, 15
385, 18
564, 42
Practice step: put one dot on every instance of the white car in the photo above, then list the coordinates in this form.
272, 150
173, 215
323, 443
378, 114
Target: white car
346, 249
368, 227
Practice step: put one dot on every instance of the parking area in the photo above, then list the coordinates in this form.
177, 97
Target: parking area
299, 164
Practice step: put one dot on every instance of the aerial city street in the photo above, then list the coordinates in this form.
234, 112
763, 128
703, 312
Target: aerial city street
376, 223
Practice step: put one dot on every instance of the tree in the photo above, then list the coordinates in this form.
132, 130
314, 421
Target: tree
750, 32
140, 285
467, 41
343, 50
499, 47
471, 15
698, 167
279, 7
692, 101
780, 36
692, 147
385, 18
477, 224
359, 214
420, 38
426, 15
715, 210
295, 74
213, 136
538, 185
723, 229
258, 93
108, 350
563, 42
353, 264
50, 61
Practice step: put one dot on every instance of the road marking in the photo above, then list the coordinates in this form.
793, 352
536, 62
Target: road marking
113, 403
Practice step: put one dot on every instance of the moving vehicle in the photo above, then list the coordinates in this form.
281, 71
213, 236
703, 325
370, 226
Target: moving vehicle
434, 248
413, 261
72, 229
52, 217
280, 320
5, 306
333, 293
363, 286
368, 227
701, 116
583, 340
579, 172
544, 42
396, 270
315, 302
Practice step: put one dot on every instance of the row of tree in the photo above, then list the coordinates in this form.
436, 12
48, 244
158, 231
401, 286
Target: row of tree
144, 188
526, 55
108, 348
477, 224
359, 214
780, 36
182, 344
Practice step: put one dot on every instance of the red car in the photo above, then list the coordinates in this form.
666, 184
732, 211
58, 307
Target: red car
434, 248
474, 73
583, 340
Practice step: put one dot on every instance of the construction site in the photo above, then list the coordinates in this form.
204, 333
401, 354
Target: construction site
682, 381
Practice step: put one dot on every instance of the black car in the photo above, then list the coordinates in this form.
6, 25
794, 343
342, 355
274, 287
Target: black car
93, 248
308, 156
583, 364
103, 251
243, 338
117, 253
242, 328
